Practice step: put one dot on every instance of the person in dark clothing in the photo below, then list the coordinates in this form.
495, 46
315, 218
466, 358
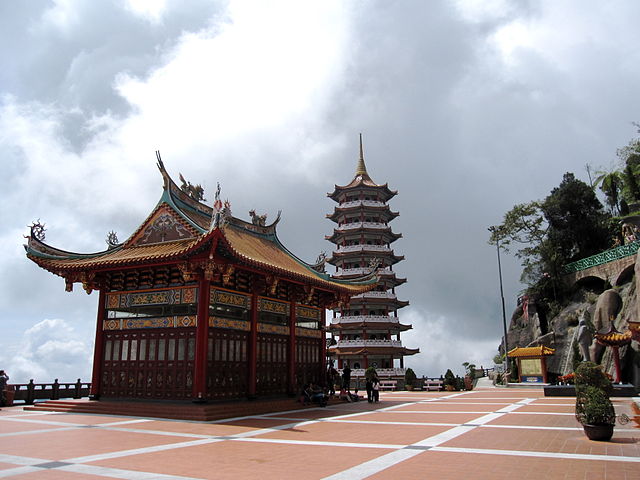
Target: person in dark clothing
369, 388
4, 378
346, 378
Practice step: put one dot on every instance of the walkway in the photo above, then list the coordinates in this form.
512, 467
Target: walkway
484, 434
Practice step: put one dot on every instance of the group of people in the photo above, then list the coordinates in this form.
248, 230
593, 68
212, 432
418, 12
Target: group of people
313, 393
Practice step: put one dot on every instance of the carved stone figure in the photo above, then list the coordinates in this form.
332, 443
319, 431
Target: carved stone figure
585, 338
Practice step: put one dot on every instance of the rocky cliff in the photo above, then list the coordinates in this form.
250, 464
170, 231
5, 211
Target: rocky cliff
589, 308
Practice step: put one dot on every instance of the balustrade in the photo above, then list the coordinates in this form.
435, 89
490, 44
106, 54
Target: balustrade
364, 318
364, 203
603, 257
376, 295
363, 247
368, 343
355, 225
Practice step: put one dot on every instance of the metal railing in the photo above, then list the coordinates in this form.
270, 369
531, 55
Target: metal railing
602, 257
29, 392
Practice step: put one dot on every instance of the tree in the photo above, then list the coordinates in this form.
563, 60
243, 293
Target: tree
569, 224
611, 184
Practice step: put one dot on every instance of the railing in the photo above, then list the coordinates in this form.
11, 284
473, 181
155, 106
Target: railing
376, 295
382, 372
364, 203
368, 343
28, 392
603, 257
364, 318
354, 225
362, 271
363, 247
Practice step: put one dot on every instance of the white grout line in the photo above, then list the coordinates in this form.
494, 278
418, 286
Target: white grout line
137, 451
119, 473
524, 453
322, 443
40, 430
374, 466
10, 472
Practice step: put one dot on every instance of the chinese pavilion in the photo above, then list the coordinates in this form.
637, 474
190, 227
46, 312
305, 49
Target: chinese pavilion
197, 304
366, 327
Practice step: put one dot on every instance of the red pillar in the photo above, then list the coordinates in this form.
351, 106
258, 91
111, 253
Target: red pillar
323, 346
616, 360
292, 349
199, 391
253, 348
98, 348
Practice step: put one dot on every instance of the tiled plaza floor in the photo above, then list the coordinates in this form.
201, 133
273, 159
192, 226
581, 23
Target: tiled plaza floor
484, 434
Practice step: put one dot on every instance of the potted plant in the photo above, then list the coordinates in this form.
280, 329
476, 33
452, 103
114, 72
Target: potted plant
409, 379
594, 410
470, 375
450, 383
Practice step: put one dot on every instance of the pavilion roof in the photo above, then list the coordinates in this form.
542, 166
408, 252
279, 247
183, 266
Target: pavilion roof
539, 351
180, 227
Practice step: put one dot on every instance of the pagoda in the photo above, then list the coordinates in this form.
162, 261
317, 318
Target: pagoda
367, 328
200, 305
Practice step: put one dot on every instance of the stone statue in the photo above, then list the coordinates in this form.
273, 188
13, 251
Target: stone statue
585, 338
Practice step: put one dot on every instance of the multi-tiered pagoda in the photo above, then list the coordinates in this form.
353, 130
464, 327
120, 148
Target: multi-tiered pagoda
368, 329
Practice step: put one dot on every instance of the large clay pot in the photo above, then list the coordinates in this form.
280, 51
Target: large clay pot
602, 433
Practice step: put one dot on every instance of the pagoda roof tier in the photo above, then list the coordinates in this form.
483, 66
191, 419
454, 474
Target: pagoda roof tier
371, 350
364, 251
368, 322
384, 299
386, 236
357, 206
181, 228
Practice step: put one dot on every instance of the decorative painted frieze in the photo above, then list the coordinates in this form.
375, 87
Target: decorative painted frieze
156, 322
309, 313
172, 296
273, 306
224, 297
218, 322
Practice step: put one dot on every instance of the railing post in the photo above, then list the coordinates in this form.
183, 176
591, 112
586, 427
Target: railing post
30, 393
55, 390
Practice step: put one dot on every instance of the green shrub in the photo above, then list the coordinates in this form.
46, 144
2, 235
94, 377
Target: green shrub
593, 407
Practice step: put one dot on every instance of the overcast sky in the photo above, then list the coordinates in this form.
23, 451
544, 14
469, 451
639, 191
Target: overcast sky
466, 109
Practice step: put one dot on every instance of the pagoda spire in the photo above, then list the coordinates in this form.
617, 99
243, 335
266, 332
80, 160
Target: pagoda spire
361, 169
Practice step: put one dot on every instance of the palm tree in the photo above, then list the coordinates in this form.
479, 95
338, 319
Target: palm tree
611, 184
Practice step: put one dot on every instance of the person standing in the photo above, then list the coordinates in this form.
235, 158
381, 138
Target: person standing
369, 388
346, 378
4, 378
376, 389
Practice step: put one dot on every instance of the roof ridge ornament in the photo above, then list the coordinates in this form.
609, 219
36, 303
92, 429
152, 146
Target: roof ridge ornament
221, 211
112, 239
37, 230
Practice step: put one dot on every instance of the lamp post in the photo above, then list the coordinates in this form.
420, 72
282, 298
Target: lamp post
494, 230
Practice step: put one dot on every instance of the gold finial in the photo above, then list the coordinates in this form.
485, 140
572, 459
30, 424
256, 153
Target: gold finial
361, 169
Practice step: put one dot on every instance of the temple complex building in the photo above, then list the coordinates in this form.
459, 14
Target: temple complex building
366, 332
199, 305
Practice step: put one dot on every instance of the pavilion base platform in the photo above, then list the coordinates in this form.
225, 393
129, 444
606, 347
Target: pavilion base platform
175, 410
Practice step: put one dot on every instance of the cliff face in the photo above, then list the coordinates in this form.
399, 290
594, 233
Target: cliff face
562, 332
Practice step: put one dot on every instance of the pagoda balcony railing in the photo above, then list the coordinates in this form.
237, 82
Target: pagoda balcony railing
364, 203
376, 295
367, 343
362, 271
382, 372
360, 248
603, 257
364, 318
356, 225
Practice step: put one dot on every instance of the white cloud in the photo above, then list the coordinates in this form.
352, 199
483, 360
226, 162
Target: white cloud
48, 350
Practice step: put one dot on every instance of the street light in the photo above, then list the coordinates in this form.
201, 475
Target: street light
494, 230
